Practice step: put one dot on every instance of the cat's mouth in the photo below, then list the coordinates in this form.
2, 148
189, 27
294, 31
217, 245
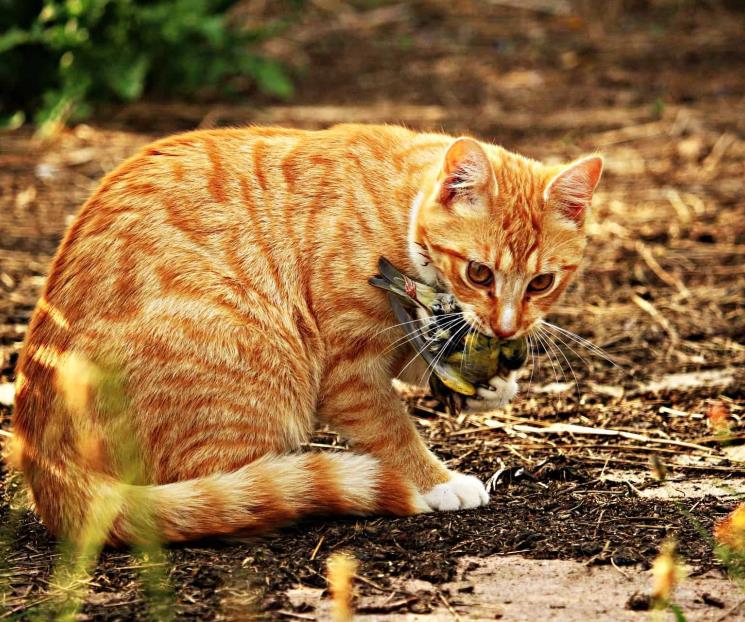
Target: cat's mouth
477, 323
474, 321
480, 326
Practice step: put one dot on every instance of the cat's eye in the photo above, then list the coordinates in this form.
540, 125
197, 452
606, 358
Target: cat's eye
541, 283
479, 274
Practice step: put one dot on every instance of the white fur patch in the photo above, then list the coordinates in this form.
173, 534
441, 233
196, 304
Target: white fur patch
500, 393
498, 283
531, 263
506, 261
416, 204
359, 480
356, 475
507, 318
462, 492
425, 269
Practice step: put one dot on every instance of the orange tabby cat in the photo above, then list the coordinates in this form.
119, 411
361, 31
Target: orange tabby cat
221, 277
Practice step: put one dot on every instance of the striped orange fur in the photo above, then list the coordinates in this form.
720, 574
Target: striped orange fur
221, 278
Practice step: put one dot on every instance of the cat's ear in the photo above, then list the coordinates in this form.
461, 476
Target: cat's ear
467, 176
570, 191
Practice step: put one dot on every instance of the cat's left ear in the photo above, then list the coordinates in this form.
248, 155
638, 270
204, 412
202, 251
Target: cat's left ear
467, 180
570, 191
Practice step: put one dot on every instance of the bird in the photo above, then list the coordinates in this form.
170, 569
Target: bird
434, 309
461, 361
412, 292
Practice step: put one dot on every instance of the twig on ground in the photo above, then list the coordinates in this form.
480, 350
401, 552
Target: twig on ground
711, 162
726, 615
297, 616
571, 428
25, 607
731, 470
646, 254
448, 606
388, 607
318, 546
613, 563
649, 308
674, 412
364, 579
560, 7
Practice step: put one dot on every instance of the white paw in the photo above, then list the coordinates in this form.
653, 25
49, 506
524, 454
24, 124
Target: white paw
462, 492
498, 395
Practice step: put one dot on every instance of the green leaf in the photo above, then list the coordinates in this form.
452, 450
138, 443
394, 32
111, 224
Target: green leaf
12, 121
62, 57
13, 38
678, 613
127, 80
272, 79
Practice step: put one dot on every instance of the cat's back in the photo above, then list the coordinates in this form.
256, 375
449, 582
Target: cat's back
205, 160
211, 169
193, 194
190, 188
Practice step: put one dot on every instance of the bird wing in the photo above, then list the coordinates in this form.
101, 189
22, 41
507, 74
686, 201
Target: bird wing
404, 286
393, 288
449, 376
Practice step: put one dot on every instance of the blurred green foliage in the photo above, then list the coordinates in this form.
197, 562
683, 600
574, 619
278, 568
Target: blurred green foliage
60, 57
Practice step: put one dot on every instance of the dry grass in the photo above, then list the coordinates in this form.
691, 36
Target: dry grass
341, 569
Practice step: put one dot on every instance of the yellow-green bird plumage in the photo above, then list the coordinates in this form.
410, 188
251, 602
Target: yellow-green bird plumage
469, 360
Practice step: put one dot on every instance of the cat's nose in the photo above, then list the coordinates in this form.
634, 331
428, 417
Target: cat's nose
505, 323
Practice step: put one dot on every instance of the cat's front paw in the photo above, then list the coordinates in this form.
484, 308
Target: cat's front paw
460, 492
498, 394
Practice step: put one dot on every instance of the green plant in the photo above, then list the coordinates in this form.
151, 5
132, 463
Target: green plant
58, 58
73, 570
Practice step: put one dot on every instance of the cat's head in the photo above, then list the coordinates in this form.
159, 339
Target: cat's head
503, 233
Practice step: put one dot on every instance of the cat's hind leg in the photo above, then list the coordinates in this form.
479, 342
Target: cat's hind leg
240, 407
217, 414
360, 403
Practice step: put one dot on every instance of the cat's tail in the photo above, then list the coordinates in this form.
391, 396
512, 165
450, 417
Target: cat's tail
262, 495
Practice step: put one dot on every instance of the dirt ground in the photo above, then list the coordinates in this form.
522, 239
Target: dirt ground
578, 512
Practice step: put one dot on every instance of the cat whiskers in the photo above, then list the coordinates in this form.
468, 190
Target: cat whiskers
455, 329
541, 340
553, 337
406, 338
414, 321
472, 320
464, 358
555, 347
571, 349
429, 342
531, 349
579, 341
431, 367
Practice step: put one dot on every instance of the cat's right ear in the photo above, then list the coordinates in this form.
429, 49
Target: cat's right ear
467, 177
570, 191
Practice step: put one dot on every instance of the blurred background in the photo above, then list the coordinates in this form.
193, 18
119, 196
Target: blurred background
656, 86
63, 60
